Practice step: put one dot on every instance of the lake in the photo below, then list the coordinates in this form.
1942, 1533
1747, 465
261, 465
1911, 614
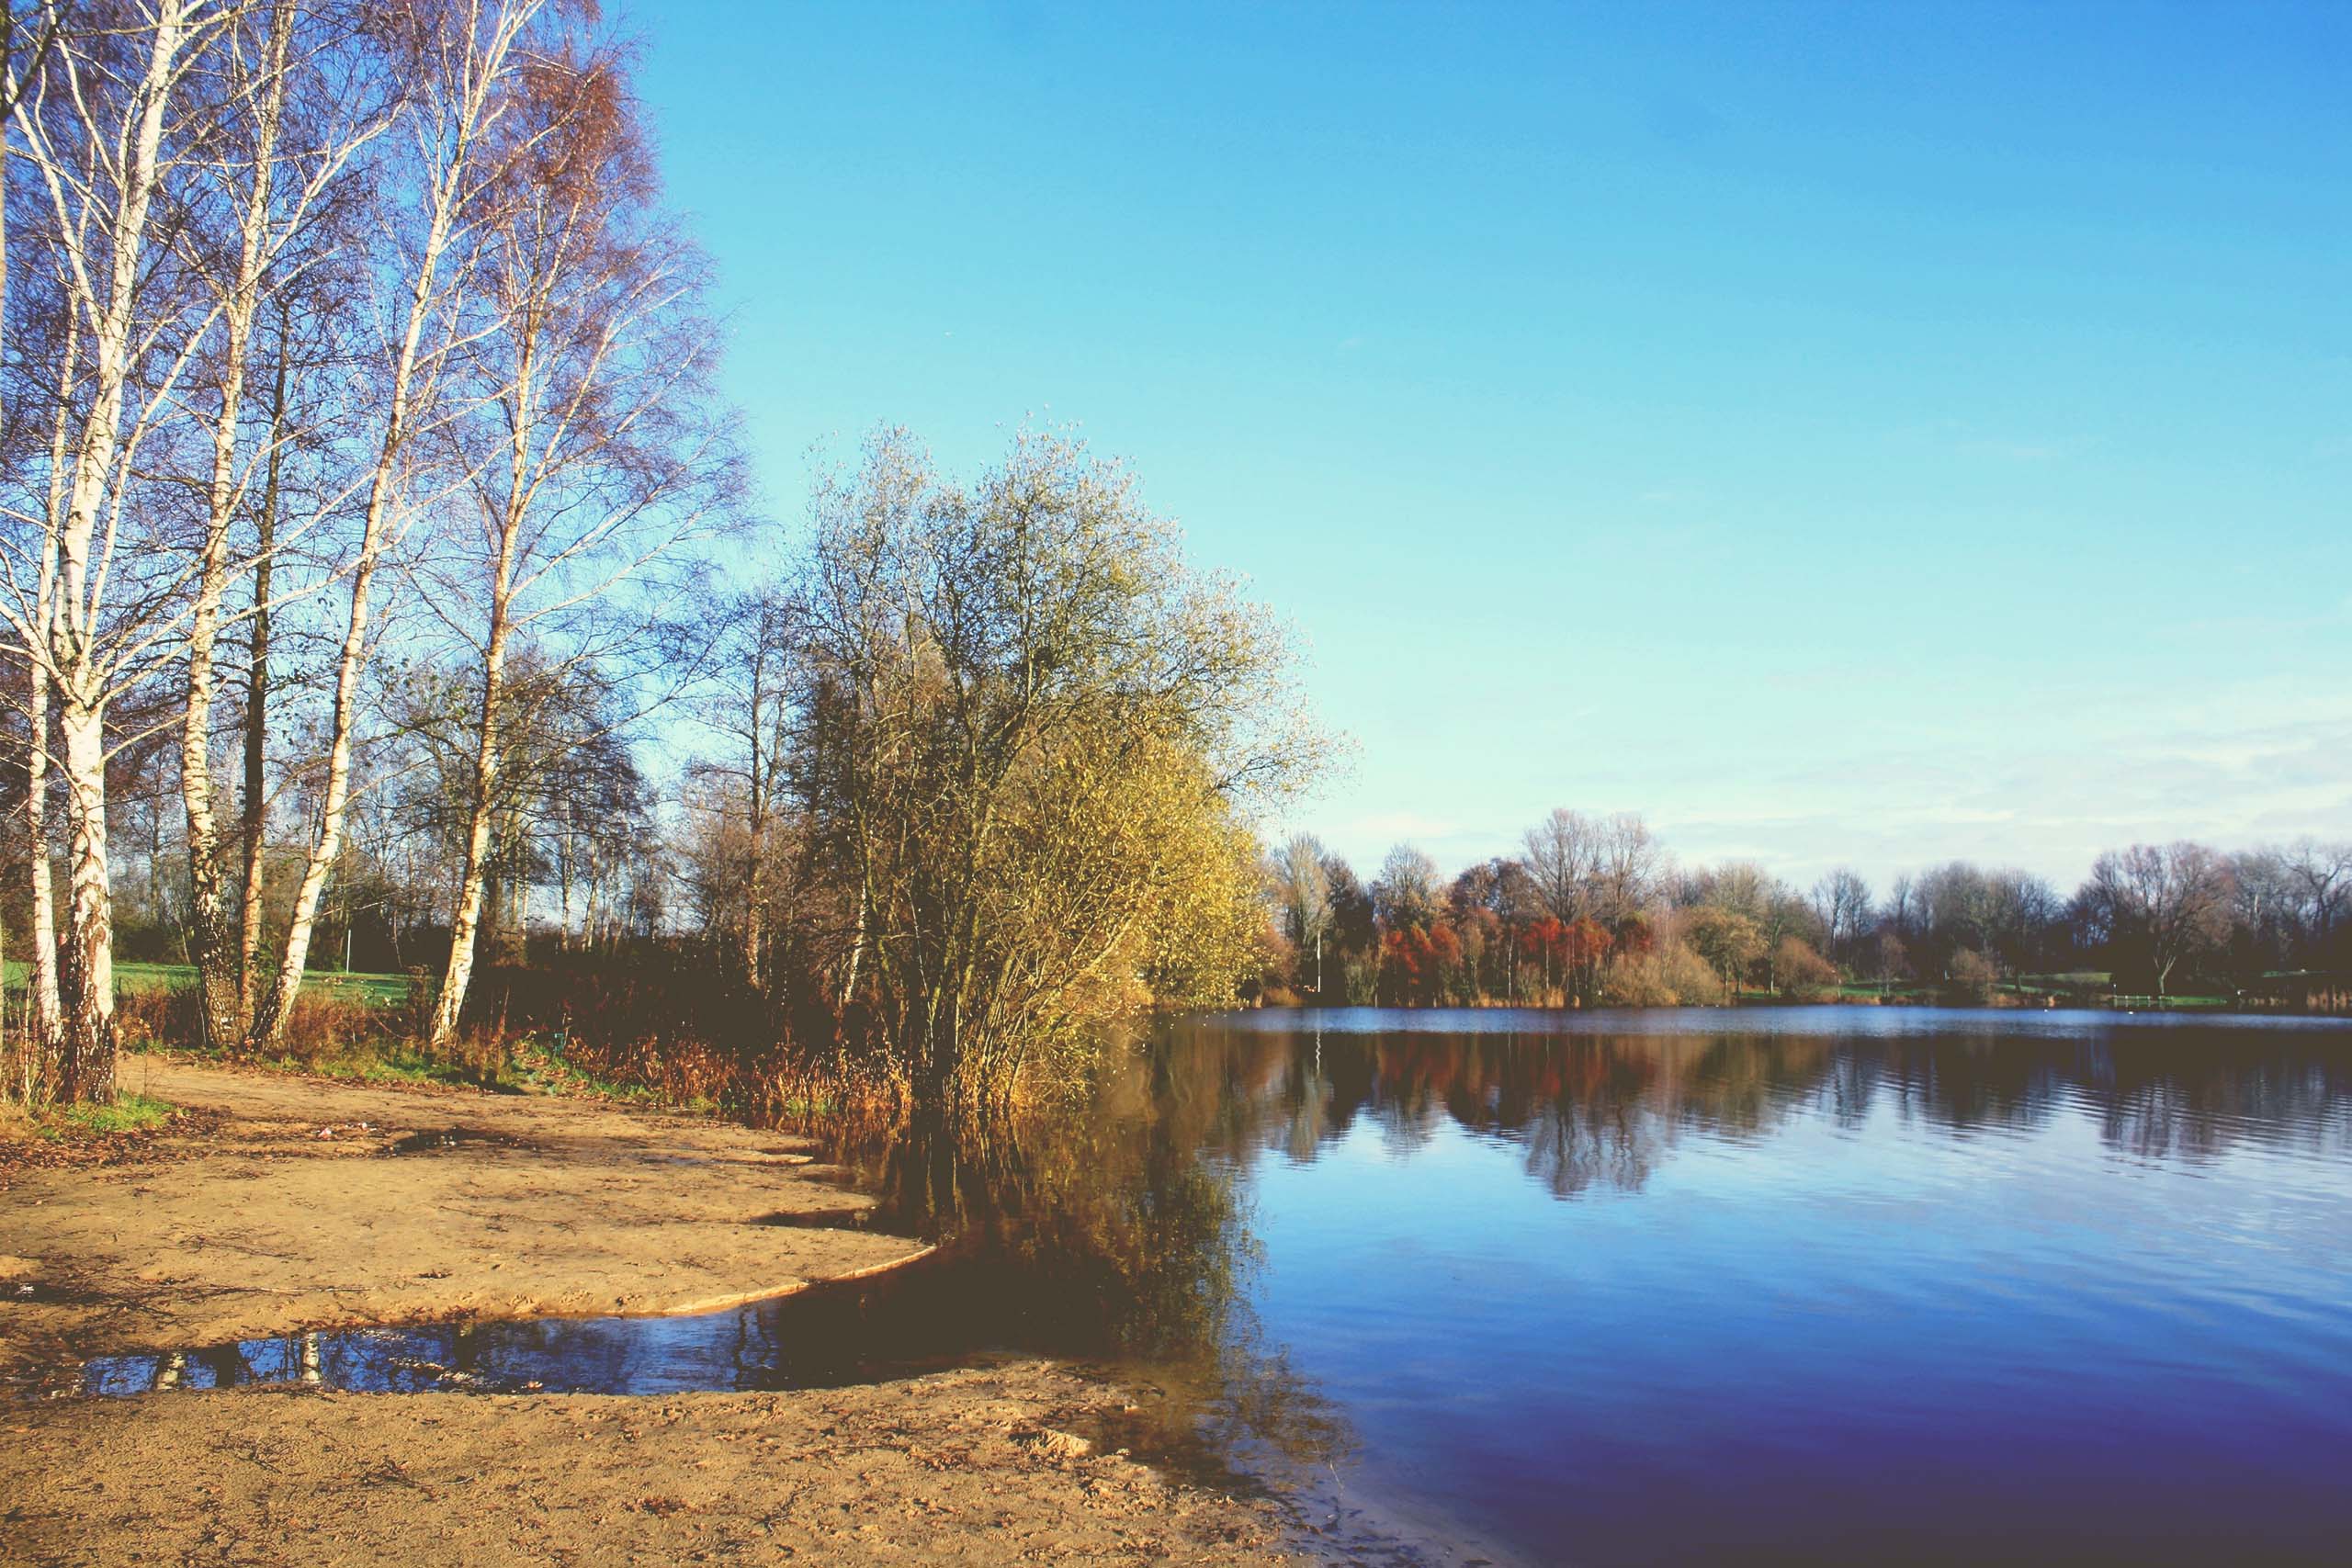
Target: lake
1841, 1284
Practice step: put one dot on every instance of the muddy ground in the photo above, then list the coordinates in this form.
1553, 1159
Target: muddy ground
284, 1204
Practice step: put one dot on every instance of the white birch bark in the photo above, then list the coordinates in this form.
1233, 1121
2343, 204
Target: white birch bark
213, 943
463, 109
465, 927
86, 971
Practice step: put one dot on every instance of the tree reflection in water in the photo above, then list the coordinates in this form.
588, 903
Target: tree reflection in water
1594, 1108
1107, 1228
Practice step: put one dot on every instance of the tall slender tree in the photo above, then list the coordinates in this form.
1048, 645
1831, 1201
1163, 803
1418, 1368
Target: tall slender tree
459, 63
590, 450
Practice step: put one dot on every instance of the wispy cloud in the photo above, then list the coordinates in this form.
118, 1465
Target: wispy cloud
1397, 826
1967, 440
2018, 451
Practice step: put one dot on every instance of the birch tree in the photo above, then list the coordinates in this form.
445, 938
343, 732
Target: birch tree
274, 235
104, 125
590, 448
1562, 854
459, 62
1303, 894
27, 35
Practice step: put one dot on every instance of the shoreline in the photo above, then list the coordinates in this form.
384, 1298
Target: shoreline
2218, 1009
281, 1207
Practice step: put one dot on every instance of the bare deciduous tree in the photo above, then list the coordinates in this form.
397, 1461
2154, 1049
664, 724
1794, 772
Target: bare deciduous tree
1303, 893
2174, 899
1842, 901
266, 242
1562, 854
1408, 891
459, 63
2322, 873
107, 124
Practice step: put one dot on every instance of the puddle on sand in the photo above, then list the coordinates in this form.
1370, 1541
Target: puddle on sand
443, 1138
827, 1335
819, 1220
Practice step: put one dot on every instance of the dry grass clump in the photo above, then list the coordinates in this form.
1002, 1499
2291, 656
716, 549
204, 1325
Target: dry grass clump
321, 1027
649, 1019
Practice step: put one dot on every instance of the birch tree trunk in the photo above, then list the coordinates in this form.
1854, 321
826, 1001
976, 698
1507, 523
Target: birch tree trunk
46, 1012
86, 973
214, 944
465, 927
45, 1016
41, 1010
254, 800
588, 362
87, 1047
268, 1031
485, 58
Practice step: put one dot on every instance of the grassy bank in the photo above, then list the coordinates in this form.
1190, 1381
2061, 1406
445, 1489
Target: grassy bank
132, 978
2032, 991
358, 1028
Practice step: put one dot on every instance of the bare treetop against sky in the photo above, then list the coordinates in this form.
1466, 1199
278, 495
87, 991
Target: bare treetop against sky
1866, 435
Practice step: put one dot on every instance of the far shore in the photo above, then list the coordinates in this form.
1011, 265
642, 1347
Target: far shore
2035, 1001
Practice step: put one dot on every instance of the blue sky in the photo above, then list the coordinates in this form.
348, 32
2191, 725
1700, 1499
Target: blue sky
1866, 435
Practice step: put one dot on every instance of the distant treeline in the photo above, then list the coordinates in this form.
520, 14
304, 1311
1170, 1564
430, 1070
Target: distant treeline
1592, 911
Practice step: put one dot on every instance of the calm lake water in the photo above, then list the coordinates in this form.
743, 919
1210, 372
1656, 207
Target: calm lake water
1849, 1284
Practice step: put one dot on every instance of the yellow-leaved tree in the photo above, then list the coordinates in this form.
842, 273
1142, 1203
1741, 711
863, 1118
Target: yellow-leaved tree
1030, 744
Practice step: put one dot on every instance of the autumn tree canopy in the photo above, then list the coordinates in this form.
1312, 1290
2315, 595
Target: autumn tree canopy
1029, 740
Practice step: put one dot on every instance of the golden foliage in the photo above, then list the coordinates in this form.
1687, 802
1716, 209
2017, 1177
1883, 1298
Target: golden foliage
1032, 739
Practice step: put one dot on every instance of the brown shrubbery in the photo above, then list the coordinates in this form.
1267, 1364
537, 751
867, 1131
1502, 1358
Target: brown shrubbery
675, 1020
667, 1019
1669, 974
321, 1027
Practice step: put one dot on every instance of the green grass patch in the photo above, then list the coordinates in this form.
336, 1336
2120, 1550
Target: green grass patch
131, 976
129, 1113
375, 989
402, 1063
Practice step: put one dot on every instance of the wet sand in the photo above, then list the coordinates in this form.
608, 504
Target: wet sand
253, 1223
